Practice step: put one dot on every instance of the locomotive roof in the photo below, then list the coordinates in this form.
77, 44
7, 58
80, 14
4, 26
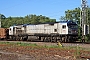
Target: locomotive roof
68, 23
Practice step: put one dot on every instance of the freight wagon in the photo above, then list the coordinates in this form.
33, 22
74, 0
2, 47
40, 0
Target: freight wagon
64, 31
4, 34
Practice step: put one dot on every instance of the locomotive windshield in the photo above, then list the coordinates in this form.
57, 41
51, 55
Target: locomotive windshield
73, 26
73, 29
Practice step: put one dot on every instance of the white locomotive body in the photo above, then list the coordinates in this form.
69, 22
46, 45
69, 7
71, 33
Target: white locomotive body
64, 31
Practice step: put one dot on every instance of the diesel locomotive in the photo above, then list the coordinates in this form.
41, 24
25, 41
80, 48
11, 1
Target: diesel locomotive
63, 31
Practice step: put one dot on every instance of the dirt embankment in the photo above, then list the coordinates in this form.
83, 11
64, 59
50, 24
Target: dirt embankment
14, 52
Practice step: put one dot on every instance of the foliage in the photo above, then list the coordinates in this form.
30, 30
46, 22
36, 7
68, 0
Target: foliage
73, 14
29, 19
62, 18
2, 16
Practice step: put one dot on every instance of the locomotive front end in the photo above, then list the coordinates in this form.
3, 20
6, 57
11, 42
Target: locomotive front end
73, 29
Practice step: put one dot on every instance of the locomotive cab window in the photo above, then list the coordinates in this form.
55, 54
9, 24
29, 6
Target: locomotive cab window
73, 26
55, 30
63, 26
10, 29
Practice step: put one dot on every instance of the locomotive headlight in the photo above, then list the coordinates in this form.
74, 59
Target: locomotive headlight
76, 31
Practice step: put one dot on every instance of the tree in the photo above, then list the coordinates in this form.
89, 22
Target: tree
29, 19
73, 14
62, 18
1, 17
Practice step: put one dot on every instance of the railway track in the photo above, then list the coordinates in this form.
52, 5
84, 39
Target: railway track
82, 45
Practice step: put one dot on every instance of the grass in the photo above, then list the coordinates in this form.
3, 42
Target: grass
76, 48
18, 43
45, 46
25, 44
52, 46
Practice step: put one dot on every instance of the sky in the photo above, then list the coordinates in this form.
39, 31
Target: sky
53, 9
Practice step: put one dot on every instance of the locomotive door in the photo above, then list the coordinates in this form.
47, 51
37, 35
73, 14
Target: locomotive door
63, 29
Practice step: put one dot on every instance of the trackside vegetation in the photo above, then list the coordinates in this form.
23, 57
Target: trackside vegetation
77, 51
42, 46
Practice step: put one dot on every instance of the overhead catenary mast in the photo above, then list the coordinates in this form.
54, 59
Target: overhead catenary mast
83, 20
